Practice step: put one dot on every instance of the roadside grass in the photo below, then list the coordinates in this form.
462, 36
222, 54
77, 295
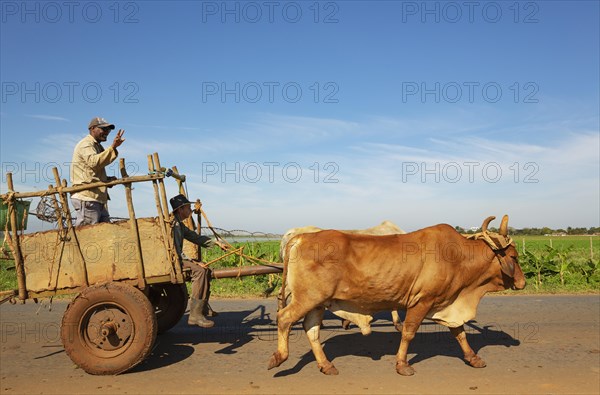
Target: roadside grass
551, 265
8, 275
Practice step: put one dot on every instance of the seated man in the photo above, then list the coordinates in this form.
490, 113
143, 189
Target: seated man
201, 275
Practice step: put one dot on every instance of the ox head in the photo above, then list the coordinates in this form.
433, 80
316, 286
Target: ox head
506, 253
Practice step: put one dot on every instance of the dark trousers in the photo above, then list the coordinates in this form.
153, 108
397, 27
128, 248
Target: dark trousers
200, 279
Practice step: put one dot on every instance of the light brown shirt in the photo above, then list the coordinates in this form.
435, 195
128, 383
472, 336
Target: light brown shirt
88, 165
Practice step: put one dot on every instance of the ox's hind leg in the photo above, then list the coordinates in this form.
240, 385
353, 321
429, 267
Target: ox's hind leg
344, 310
285, 319
414, 317
470, 357
396, 320
312, 325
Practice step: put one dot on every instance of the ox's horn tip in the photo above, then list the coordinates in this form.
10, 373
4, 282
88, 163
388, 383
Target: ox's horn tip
504, 226
486, 222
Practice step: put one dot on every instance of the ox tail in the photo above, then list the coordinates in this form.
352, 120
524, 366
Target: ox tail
282, 298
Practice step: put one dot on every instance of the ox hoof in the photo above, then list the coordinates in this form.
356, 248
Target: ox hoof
476, 362
404, 369
329, 370
275, 361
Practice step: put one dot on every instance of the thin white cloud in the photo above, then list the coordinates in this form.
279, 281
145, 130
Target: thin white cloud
49, 117
164, 127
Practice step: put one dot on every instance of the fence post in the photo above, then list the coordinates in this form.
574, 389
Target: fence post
523, 245
591, 249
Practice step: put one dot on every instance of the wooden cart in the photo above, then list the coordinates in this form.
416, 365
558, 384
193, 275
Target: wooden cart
129, 283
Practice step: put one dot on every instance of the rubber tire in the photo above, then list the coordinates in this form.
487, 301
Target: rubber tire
98, 298
170, 302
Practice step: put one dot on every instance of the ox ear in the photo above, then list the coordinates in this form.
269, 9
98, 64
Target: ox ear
507, 268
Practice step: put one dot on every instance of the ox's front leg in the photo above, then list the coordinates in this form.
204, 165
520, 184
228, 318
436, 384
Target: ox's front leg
414, 317
312, 325
470, 357
285, 319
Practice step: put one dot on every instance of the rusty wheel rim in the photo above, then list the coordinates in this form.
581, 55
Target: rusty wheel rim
106, 329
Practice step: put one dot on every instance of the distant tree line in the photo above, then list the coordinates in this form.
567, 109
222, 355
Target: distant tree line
538, 231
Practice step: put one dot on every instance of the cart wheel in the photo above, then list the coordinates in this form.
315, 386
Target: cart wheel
108, 329
170, 302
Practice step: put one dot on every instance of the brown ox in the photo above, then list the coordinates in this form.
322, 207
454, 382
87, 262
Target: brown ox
384, 228
432, 273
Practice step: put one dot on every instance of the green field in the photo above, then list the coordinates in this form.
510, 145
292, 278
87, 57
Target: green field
538, 243
551, 264
245, 286
560, 263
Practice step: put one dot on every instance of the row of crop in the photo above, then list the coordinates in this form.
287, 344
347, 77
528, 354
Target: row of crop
244, 286
564, 266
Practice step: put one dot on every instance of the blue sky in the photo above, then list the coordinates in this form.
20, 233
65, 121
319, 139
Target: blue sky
338, 114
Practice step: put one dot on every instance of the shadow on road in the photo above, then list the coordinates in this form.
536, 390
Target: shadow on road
432, 340
232, 329
237, 328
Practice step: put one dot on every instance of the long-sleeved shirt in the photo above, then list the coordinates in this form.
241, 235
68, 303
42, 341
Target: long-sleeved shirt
180, 232
88, 165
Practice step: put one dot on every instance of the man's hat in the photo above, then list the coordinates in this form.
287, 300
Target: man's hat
178, 201
101, 123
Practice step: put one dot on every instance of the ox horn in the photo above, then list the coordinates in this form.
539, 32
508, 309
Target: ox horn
486, 222
504, 226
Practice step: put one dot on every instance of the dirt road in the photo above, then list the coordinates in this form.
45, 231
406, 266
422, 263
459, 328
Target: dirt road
532, 344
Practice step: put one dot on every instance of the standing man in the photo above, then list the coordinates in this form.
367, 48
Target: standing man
201, 275
88, 166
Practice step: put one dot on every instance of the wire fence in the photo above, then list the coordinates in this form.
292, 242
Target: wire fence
241, 235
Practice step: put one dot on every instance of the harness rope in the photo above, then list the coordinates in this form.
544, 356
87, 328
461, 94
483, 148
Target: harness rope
498, 243
234, 251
